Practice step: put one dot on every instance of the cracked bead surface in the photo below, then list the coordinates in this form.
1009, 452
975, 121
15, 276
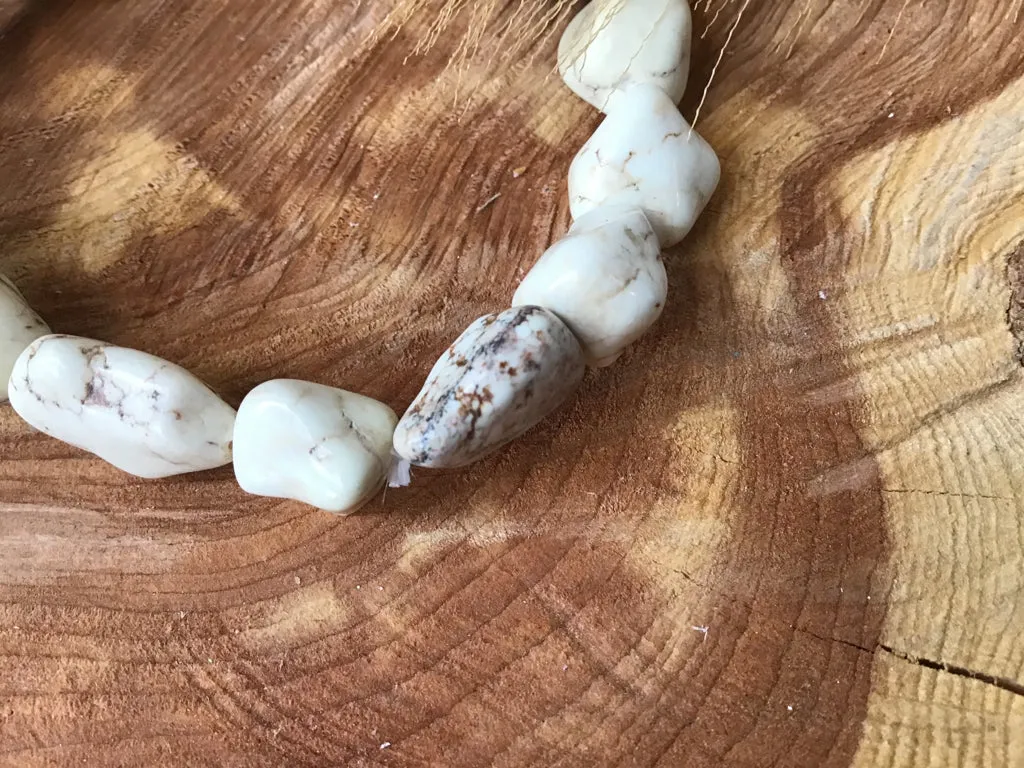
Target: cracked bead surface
320, 445
604, 279
503, 375
645, 155
19, 327
144, 415
612, 44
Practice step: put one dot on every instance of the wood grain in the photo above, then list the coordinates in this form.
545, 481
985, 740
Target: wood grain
785, 529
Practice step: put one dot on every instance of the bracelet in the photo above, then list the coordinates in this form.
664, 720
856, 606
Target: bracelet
637, 186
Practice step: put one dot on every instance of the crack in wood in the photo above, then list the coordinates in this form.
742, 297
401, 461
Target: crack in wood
1003, 683
951, 494
1015, 310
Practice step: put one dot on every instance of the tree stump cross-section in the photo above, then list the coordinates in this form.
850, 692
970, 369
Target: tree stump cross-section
784, 529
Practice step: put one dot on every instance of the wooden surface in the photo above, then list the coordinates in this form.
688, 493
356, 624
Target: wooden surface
817, 457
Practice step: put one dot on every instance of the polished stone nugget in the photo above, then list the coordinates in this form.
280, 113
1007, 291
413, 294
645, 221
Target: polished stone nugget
646, 155
502, 376
613, 44
19, 327
604, 279
146, 416
323, 446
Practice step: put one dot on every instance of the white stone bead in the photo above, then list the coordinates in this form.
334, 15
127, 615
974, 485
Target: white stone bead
504, 374
19, 327
612, 44
645, 155
144, 415
319, 445
605, 280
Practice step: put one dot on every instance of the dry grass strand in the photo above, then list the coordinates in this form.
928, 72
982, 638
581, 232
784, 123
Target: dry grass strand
718, 61
892, 31
714, 18
516, 27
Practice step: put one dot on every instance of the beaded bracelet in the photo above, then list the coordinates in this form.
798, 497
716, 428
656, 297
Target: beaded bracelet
636, 186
